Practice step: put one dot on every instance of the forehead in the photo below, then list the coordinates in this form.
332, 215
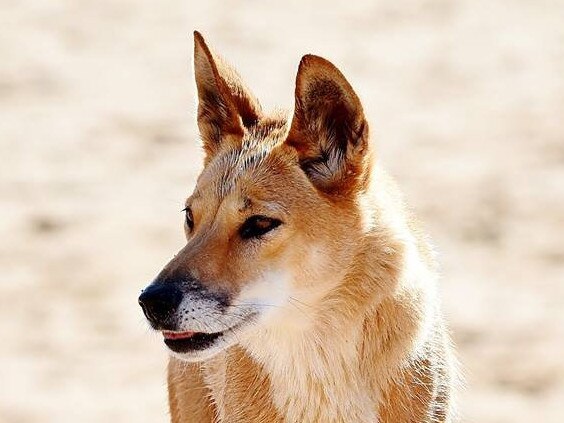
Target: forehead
248, 168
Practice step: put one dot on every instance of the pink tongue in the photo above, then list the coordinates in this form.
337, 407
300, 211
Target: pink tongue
177, 335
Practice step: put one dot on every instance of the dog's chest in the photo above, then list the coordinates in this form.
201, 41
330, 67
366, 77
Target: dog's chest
313, 384
294, 383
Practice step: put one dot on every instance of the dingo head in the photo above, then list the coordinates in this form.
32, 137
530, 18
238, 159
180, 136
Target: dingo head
274, 219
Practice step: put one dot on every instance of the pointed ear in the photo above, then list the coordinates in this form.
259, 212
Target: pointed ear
328, 129
226, 107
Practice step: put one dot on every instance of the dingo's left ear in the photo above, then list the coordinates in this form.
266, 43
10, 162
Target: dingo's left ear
225, 105
328, 129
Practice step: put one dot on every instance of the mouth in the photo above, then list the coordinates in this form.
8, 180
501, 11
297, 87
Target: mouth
183, 342
195, 343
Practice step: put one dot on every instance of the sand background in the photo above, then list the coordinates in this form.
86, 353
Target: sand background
98, 150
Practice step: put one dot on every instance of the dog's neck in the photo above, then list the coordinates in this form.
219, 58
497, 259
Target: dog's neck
315, 374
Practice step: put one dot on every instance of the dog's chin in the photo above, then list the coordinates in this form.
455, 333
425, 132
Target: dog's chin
199, 346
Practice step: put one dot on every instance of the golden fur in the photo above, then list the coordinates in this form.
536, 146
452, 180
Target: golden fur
350, 329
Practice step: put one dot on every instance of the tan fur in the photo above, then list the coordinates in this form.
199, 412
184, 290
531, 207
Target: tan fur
354, 332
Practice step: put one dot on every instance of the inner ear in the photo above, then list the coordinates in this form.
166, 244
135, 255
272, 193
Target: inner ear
226, 107
328, 129
325, 104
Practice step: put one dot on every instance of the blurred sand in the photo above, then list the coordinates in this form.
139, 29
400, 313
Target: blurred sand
97, 140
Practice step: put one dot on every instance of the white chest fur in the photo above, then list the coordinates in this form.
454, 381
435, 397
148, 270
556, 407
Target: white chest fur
315, 379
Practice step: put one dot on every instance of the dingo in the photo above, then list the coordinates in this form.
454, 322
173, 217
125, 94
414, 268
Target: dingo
305, 292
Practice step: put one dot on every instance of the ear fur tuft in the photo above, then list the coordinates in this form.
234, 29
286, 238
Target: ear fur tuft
328, 130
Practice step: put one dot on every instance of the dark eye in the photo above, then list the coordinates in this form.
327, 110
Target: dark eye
189, 218
256, 226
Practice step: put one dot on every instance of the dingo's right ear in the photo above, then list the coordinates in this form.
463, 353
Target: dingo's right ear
226, 107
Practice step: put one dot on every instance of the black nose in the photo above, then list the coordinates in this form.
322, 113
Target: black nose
159, 303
